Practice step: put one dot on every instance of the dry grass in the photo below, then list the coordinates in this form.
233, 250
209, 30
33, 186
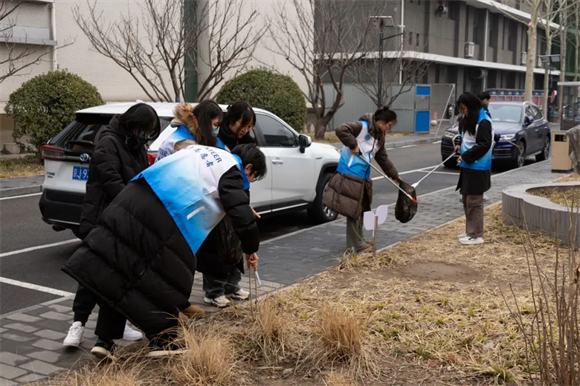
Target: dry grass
329, 137
562, 195
425, 311
21, 167
569, 178
209, 359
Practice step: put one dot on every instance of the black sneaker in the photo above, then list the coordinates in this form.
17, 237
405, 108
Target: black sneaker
103, 349
158, 351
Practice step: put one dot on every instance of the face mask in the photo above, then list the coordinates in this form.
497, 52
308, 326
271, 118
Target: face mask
216, 130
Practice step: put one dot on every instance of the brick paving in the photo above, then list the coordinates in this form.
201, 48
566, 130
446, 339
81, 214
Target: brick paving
31, 339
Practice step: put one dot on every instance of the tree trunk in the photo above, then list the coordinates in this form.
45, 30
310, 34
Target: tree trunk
577, 41
563, 41
531, 59
320, 127
547, 79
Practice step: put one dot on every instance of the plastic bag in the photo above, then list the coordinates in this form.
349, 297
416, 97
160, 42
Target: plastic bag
229, 245
405, 209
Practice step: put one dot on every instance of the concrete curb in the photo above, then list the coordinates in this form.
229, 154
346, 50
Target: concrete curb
11, 192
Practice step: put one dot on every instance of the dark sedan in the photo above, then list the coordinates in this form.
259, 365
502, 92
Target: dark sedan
523, 131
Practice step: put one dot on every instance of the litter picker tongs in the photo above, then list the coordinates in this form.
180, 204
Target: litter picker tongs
388, 179
454, 153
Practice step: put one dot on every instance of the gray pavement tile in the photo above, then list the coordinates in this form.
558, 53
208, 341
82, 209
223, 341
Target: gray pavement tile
55, 316
40, 367
48, 344
21, 327
50, 334
12, 359
23, 318
6, 382
46, 356
31, 378
16, 337
11, 372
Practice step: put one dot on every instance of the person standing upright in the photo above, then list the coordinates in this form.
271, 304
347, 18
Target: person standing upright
475, 162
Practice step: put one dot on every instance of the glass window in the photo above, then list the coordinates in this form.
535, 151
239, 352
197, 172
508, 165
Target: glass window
276, 134
537, 113
505, 113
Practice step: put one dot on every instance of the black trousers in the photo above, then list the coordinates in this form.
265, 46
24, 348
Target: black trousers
84, 303
110, 323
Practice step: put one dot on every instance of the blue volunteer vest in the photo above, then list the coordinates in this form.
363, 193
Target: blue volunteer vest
350, 163
468, 141
187, 185
182, 133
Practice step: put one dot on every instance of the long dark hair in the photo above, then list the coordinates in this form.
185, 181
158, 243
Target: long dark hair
204, 112
473, 104
141, 118
238, 110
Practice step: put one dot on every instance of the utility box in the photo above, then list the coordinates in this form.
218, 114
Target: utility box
561, 161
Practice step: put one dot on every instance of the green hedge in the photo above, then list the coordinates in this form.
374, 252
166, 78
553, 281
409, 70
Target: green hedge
45, 104
267, 90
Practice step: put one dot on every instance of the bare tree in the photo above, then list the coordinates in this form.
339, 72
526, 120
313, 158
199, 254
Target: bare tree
547, 20
366, 73
154, 46
576, 39
563, 12
323, 39
18, 54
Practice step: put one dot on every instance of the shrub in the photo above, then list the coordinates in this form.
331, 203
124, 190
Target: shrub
42, 106
264, 89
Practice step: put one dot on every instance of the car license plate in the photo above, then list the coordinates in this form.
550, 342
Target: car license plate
80, 173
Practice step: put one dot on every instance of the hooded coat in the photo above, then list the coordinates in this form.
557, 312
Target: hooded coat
345, 193
116, 159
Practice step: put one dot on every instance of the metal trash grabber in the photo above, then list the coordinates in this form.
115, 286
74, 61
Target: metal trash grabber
388, 179
438, 166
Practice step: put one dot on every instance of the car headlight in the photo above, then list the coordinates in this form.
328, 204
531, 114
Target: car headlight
450, 134
508, 137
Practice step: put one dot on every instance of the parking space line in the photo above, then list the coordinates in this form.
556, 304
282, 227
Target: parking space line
22, 196
407, 172
407, 146
17, 252
35, 287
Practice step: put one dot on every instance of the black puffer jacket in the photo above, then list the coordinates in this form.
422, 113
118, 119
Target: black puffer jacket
231, 140
137, 260
113, 164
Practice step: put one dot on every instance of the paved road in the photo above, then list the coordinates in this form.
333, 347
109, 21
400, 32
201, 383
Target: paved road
22, 228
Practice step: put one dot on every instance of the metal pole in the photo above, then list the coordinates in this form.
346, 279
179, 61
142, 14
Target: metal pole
380, 80
446, 104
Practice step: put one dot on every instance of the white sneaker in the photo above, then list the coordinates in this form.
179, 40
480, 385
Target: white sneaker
240, 294
74, 336
220, 302
462, 236
485, 197
471, 240
132, 334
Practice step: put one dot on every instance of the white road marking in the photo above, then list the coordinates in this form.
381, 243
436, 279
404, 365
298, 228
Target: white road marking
23, 196
404, 147
449, 173
35, 287
436, 142
17, 252
407, 172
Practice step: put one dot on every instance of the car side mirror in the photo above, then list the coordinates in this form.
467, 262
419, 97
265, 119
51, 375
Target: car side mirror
304, 141
528, 120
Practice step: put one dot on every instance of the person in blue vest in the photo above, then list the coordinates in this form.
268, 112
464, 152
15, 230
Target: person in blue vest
349, 192
197, 125
475, 163
140, 259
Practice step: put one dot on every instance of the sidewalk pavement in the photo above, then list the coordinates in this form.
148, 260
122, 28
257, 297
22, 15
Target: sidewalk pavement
30, 339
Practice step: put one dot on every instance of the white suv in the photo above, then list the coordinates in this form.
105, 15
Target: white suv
298, 170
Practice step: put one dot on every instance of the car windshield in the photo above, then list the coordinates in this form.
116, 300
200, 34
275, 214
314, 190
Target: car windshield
505, 113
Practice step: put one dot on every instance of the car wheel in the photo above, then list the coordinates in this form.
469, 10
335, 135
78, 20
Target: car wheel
451, 164
545, 154
319, 212
520, 159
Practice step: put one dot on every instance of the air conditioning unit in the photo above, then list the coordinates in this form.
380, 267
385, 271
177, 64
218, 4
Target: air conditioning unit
523, 58
441, 9
469, 50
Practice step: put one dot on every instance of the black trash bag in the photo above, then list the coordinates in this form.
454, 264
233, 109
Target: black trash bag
229, 245
405, 209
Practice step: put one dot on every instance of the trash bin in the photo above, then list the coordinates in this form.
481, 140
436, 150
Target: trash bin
561, 161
